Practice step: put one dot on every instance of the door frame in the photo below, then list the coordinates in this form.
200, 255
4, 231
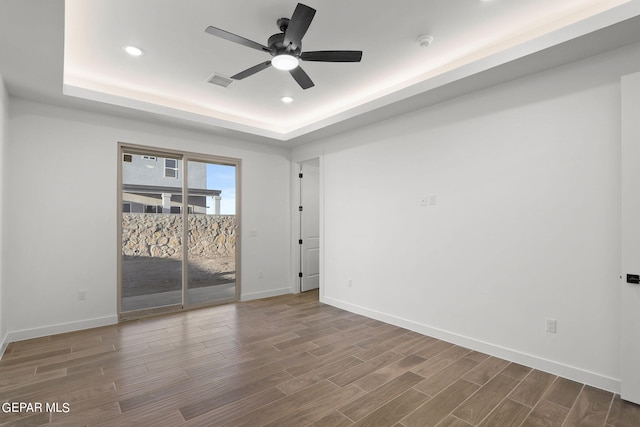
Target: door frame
295, 223
630, 239
302, 220
186, 157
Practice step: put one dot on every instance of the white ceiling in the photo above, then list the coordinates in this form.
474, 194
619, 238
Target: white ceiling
49, 48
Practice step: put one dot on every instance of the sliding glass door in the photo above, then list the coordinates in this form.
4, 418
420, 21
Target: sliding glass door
211, 258
177, 231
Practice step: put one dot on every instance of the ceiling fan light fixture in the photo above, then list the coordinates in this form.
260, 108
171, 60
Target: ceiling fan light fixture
133, 50
284, 62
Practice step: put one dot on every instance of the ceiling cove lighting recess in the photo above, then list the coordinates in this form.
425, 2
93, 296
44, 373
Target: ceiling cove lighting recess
133, 50
284, 62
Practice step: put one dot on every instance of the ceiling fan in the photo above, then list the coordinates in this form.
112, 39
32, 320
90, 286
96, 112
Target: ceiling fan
286, 47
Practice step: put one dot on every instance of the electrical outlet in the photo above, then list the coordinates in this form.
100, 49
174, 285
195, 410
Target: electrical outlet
349, 283
428, 200
82, 295
551, 326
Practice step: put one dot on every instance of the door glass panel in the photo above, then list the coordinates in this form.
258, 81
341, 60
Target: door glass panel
211, 223
151, 233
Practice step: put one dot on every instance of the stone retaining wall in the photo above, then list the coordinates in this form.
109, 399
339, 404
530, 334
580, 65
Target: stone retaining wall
160, 235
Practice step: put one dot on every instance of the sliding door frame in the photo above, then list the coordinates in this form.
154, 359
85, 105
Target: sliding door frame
185, 157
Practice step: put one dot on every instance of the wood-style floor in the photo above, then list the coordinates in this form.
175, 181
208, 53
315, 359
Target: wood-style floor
284, 361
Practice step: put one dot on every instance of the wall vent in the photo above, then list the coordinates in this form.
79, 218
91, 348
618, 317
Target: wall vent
219, 80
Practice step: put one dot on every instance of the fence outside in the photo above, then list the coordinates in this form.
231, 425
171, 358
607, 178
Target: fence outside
160, 235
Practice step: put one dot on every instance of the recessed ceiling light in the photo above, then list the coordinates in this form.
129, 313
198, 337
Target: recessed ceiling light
284, 62
133, 51
287, 99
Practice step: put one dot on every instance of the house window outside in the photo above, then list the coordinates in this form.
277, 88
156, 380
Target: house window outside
170, 168
152, 209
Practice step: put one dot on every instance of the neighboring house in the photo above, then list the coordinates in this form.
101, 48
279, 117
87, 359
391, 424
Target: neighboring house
153, 184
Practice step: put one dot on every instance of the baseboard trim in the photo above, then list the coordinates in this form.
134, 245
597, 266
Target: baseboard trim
59, 328
550, 366
3, 345
265, 294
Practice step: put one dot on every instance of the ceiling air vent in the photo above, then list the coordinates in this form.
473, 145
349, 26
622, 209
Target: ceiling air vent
219, 80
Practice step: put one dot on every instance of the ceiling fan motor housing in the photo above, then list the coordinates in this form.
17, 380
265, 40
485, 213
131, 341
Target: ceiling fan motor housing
283, 24
277, 47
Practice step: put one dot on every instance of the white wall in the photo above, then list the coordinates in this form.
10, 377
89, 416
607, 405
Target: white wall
4, 123
526, 224
62, 166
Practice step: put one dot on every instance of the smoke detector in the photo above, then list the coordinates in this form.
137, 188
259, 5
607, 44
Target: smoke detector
425, 40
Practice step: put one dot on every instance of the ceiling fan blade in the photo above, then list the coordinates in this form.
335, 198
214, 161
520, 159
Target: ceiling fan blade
251, 71
302, 78
332, 56
298, 25
235, 38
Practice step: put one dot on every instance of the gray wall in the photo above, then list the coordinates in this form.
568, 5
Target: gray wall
57, 252
526, 224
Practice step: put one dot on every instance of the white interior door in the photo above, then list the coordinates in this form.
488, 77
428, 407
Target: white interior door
630, 305
310, 226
